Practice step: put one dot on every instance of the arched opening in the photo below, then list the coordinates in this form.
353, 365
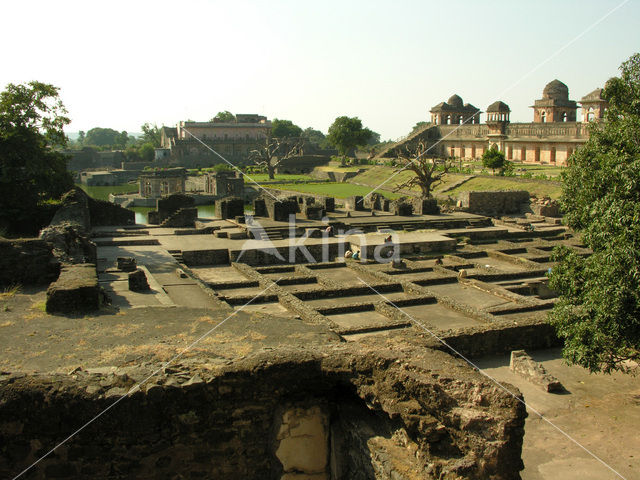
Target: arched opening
552, 155
591, 116
459, 120
564, 116
523, 154
447, 120
543, 117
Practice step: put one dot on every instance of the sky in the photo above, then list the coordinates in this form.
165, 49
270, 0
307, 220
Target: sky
119, 64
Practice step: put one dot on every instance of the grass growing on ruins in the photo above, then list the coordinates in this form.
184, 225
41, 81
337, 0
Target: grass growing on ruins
538, 188
263, 177
338, 190
102, 193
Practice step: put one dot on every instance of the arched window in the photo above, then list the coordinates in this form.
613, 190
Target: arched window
543, 117
564, 116
591, 116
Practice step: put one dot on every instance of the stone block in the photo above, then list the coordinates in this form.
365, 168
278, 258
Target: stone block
303, 441
425, 206
522, 364
355, 203
230, 207
138, 281
313, 212
494, 203
402, 207
280, 209
185, 217
259, 208
126, 264
76, 290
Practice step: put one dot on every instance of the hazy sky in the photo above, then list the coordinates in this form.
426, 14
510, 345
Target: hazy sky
119, 64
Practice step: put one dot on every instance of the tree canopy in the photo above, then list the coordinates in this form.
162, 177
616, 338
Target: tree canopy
346, 133
151, 134
598, 312
106, 137
285, 129
493, 158
32, 171
225, 116
427, 172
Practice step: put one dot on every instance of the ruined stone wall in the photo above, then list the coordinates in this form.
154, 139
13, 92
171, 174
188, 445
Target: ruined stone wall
103, 213
27, 262
493, 203
270, 416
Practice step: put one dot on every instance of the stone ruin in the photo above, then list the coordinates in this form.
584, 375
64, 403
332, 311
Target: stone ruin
177, 210
230, 207
494, 203
402, 207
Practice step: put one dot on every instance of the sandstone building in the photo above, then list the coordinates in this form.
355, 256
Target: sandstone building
455, 130
160, 183
234, 140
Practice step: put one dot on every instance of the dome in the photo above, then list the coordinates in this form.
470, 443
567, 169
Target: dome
499, 107
556, 90
455, 101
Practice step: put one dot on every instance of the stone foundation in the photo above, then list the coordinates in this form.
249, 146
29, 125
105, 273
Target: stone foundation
76, 291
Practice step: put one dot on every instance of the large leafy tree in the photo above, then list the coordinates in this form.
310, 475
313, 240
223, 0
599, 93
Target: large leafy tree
598, 312
226, 117
346, 133
106, 137
32, 170
285, 129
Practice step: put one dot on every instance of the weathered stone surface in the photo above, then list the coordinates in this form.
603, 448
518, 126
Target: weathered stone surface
103, 213
166, 207
425, 206
75, 291
280, 209
525, 366
355, 203
402, 411
303, 441
27, 262
138, 281
494, 203
401, 206
184, 217
126, 264
230, 207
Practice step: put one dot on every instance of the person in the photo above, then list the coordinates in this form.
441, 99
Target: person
348, 254
329, 231
356, 255
388, 239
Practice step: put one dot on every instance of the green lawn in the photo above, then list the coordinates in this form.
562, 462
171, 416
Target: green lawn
338, 190
263, 177
540, 189
102, 193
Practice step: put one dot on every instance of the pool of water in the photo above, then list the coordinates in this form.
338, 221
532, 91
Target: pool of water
204, 211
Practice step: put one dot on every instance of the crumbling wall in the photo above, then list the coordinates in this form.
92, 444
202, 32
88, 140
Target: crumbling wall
103, 213
27, 262
493, 203
393, 412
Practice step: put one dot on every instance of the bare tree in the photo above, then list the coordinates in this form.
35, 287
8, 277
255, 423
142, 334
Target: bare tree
274, 151
428, 171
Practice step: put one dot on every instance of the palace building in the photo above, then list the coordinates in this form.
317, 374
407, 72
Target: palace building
554, 134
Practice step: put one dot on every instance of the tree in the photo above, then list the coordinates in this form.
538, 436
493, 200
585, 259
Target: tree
225, 117
285, 129
147, 152
273, 152
418, 126
493, 158
106, 137
374, 139
315, 137
427, 172
81, 136
598, 310
151, 134
347, 133
32, 171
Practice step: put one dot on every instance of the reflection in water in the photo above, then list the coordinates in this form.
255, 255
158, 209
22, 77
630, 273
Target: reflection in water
204, 211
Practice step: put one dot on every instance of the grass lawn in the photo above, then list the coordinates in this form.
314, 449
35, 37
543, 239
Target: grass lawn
338, 190
540, 189
102, 193
263, 177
